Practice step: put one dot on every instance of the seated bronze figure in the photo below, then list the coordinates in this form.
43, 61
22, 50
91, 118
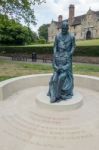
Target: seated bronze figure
61, 83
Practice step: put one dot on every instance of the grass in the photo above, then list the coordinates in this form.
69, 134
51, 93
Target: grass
32, 45
86, 69
10, 69
94, 42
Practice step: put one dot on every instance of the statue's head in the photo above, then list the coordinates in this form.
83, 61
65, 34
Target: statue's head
65, 27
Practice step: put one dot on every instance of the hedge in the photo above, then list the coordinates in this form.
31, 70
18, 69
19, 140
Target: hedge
91, 51
26, 49
79, 51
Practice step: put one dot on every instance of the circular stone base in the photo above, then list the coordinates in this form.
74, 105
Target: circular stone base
44, 101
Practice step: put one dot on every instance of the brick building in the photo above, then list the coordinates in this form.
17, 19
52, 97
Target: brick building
83, 27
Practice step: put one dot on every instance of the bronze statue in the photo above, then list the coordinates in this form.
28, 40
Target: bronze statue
61, 83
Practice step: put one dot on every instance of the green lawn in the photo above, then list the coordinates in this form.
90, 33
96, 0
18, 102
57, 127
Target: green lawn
94, 42
32, 45
10, 69
78, 43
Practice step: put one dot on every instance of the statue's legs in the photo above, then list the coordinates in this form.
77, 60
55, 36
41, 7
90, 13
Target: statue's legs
60, 82
53, 87
60, 86
67, 88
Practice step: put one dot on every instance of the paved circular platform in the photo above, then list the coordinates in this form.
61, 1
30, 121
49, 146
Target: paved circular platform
25, 126
75, 102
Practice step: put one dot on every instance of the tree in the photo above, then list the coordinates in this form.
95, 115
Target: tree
19, 9
13, 33
34, 36
43, 32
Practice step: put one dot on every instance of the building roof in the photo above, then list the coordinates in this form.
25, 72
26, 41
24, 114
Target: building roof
76, 21
58, 24
97, 13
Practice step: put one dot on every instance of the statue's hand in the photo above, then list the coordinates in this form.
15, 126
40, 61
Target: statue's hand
60, 70
55, 69
66, 67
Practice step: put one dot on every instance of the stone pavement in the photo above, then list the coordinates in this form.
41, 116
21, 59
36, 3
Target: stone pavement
25, 126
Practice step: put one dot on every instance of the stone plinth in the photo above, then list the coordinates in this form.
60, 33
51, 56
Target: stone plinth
75, 102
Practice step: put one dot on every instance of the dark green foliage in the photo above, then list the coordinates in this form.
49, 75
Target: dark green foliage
43, 32
26, 49
87, 51
19, 9
41, 41
13, 33
80, 50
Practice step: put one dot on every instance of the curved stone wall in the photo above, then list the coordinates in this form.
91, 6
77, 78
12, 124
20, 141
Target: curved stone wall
9, 87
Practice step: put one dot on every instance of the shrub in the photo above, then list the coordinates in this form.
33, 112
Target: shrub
47, 49
41, 41
26, 49
91, 51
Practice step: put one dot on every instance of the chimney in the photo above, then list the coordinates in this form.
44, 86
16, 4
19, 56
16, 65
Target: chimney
71, 13
60, 18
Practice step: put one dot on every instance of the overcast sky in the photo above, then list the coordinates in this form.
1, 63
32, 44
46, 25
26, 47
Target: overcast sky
52, 8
